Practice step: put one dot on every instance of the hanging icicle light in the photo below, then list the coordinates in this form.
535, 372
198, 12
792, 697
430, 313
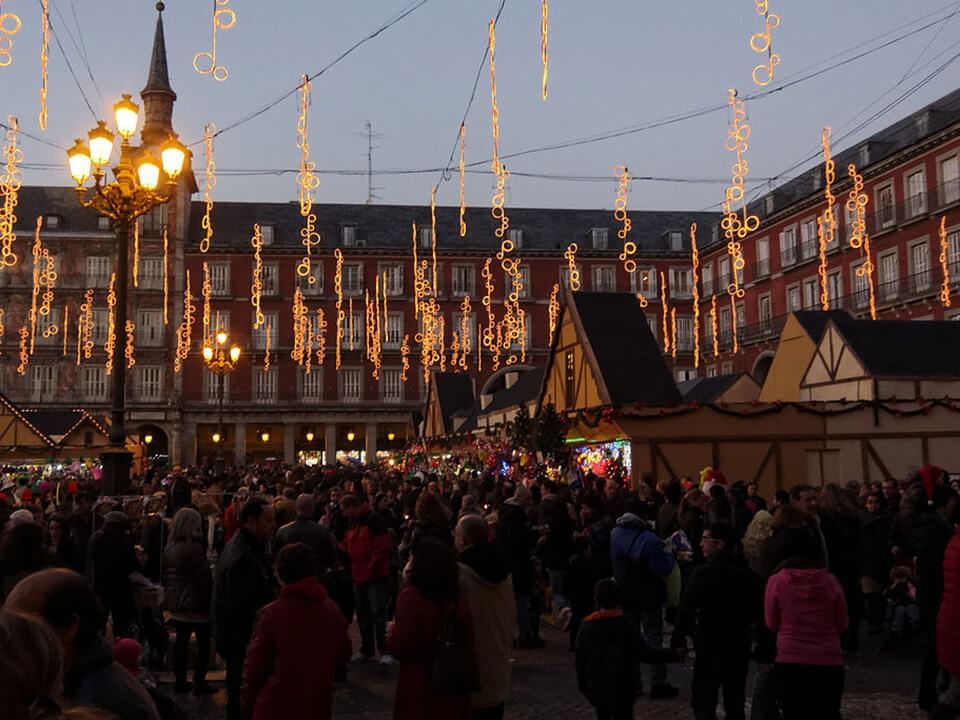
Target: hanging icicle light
665, 308
48, 281
66, 327
944, 263
166, 279
857, 203
713, 325
465, 344
299, 312
433, 234
111, 323
35, 291
206, 292
827, 223
85, 326
185, 330
695, 290
734, 323
136, 253
621, 216
256, 288
338, 288
44, 60
205, 62
10, 25
573, 272
321, 336
553, 311
463, 173
307, 183
210, 182
761, 43
10, 181
673, 332
128, 351
735, 226
544, 38
499, 169
405, 357
24, 350
266, 348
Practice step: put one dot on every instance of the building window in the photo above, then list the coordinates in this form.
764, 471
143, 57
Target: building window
835, 289
100, 319
920, 267
886, 206
99, 269
726, 324
762, 266
811, 293
860, 286
953, 251
726, 368
765, 312
45, 323
270, 277
916, 191
889, 276
676, 240
680, 283
393, 334
211, 387
711, 370
43, 383
391, 385
151, 273
949, 169
684, 334
565, 275
794, 301
51, 222
259, 335
426, 237
266, 233
570, 378
515, 235
355, 332
149, 327
219, 278
604, 278
311, 386
348, 235
428, 275
353, 279
94, 383
351, 385
392, 278
644, 282
463, 280
154, 221
264, 385
788, 246
524, 291
598, 238
316, 273
741, 318
150, 382
103, 223
684, 374
706, 279
808, 239
724, 279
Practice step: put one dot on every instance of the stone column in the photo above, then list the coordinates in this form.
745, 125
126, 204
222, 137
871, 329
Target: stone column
240, 444
330, 442
289, 443
371, 442
188, 444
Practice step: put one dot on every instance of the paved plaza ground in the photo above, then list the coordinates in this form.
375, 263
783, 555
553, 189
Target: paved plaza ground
880, 686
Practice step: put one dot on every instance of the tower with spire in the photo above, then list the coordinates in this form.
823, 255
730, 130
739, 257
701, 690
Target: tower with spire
158, 97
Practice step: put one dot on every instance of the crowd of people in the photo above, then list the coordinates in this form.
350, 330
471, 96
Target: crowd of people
447, 572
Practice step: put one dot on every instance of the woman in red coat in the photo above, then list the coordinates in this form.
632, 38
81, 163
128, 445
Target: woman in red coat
298, 643
432, 592
948, 632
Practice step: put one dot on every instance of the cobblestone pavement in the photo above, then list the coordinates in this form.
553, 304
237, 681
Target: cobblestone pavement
880, 686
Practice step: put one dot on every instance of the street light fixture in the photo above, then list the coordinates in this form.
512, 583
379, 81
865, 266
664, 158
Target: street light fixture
309, 436
133, 192
350, 435
221, 362
265, 436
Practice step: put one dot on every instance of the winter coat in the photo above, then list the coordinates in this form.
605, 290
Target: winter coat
948, 617
640, 563
875, 557
187, 582
243, 584
558, 545
369, 552
486, 586
806, 608
610, 649
668, 521
723, 599
299, 641
923, 534
513, 537
112, 560
311, 533
95, 679
693, 523
841, 534
413, 641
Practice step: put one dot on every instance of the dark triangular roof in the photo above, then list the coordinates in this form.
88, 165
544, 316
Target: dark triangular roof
27, 420
58, 424
628, 357
707, 389
524, 390
814, 321
454, 395
904, 348
158, 78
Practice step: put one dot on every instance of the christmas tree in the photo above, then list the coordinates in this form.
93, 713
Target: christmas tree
551, 431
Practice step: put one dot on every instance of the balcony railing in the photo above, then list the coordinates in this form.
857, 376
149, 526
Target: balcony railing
761, 269
948, 193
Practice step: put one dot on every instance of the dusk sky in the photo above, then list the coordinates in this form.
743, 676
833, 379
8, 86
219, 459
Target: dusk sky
614, 64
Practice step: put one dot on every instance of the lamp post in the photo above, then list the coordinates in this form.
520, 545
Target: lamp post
221, 362
134, 192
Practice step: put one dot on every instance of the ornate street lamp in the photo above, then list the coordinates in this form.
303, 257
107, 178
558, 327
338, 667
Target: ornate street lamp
221, 362
141, 183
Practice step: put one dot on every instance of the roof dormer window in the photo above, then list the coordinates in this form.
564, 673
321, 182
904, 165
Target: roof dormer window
266, 233
348, 235
598, 238
52, 222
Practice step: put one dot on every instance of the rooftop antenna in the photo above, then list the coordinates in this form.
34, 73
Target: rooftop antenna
371, 188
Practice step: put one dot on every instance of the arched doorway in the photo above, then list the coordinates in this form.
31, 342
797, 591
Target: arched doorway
155, 446
761, 368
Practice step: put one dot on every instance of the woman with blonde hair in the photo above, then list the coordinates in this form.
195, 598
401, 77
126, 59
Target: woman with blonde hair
758, 532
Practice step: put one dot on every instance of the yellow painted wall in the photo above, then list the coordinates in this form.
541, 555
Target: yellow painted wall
789, 364
587, 391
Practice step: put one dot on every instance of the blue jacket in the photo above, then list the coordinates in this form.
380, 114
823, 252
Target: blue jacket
640, 563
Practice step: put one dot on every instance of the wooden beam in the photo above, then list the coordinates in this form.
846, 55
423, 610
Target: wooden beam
925, 450
876, 458
771, 451
666, 462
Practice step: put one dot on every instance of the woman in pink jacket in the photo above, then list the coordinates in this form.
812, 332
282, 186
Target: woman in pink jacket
805, 607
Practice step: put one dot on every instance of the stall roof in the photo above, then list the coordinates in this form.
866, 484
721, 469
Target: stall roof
904, 348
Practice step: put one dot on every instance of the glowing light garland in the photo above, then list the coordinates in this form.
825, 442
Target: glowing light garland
321, 336
66, 327
35, 291
10, 182
621, 216
206, 291
544, 38
499, 169
733, 323
553, 311
713, 325
10, 25
761, 42
256, 287
3, 329
307, 184
433, 234
827, 223
857, 202
338, 289
695, 289
944, 263
665, 306
463, 173
405, 357
48, 280
128, 351
205, 62
44, 60
24, 350
85, 326
488, 331
350, 326
210, 182
136, 253
166, 280
573, 273
111, 323
300, 320
465, 310
673, 332
266, 350
734, 226
185, 330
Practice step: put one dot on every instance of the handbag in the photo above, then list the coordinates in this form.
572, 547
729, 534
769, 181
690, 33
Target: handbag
454, 670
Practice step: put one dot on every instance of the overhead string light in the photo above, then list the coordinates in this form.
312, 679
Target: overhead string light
665, 307
209, 183
10, 181
307, 183
10, 25
761, 43
433, 234
695, 290
48, 281
465, 344
713, 325
185, 330
44, 60
85, 326
206, 292
37, 251
128, 351
621, 216
826, 223
553, 311
321, 336
205, 62
573, 272
111, 323
673, 332
136, 253
499, 169
24, 350
66, 328
338, 289
544, 54
404, 358
463, 197
166, 278
857, 202
256, 287
944, 263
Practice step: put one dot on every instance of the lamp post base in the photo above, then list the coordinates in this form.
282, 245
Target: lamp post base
116, 464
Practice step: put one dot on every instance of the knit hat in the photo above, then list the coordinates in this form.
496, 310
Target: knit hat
21, 517
126, 651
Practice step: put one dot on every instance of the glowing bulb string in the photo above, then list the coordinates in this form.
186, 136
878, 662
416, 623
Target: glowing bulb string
128, 350
463, 200
416, 276
857, 202
499, 169
673, 332
553, 311
44, 60
66, 328
299, 312
111, 323
85, 326
433, 234
10, 181
621, 216
351, 326
210, 182
206, 291
455, 351
695, 290
735, 227
35, 291
307, 184
573, 273
136, 253
404, 357
256, 287
488, 330
10, 25
48, 281
713, 325
24, 350
665, 308
338, 289
465, 345
734, 324
826, 223
205, 62
760, 43
166, 278
944, 263
266, 349
3, 329
544, 38
321, 336
185, 330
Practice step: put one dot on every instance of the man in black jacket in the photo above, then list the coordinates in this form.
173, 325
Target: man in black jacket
243, 584
722, 600
306, 530
514, 538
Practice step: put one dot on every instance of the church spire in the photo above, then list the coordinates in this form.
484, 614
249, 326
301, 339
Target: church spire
158, 97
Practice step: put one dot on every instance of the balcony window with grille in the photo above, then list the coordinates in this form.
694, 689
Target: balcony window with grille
706, 279
43, 383
565, 275
348, 235
794, 298
316, 273
94, 381
680, 283
353, 279
723, 265
259, 335
711, 371
149, 382
598, 238
311, 386
211, 387
835, 289
920, 267
515, 235
425, 236
953, 251
99, 269
886, 206
524, 291
99, 331
762, 267
266, 233
949, 180
916, 191
811, 294
725, 324
604, 278
788, 246
392, 275
264, 386
219, 278
861, 292
888, 276
271, 279
103, 223
391, 385
808, 239
393, 334
741, 318
463, 280
151, 273
355, 332
351, 384
153, 222
684, 334
644, 282
765, 312
149, 327
45, 323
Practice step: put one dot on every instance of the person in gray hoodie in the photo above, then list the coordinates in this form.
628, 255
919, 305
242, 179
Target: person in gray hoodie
488, 588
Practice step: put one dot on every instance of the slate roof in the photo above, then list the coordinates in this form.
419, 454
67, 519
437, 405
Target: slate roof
814, 321
629, 357
35, 200
904, 348
524, 390
454, 395
707, 389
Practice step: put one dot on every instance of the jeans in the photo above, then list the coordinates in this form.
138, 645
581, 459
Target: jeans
620, 711
372, 616
651, 623
528, 617
712, 672
234, 663
491, 713
810, 691
557, 578
181, 650
904, 615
